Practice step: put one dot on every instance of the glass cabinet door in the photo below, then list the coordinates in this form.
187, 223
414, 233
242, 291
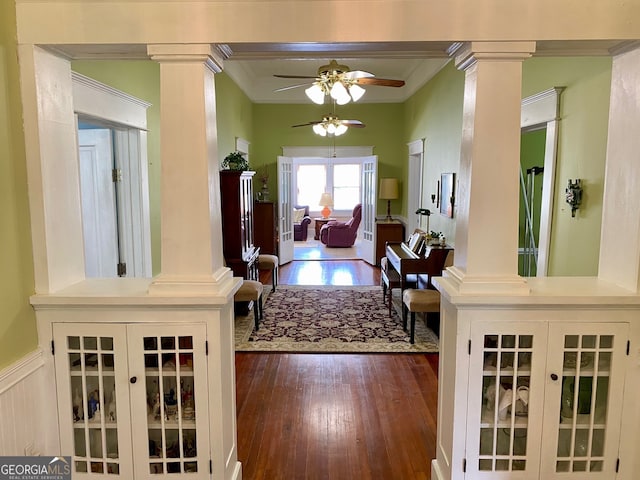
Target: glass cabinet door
587, 377
169, 400
505, 399
91, 371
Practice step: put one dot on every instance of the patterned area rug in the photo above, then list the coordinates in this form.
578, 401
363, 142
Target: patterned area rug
330, 320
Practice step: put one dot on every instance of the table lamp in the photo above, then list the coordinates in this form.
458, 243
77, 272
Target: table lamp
326, 201
388, 192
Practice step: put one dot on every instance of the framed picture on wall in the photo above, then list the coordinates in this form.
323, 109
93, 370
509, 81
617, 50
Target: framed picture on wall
447, 198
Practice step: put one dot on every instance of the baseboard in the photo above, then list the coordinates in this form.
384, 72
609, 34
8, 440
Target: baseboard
436, 473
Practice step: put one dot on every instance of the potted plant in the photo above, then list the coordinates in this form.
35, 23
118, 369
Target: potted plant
235, 161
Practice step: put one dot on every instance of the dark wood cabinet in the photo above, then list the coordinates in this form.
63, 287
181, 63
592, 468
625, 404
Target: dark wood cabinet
236, 198
265, 223
392, 231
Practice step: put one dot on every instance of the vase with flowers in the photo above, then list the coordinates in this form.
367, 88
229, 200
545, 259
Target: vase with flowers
264, 178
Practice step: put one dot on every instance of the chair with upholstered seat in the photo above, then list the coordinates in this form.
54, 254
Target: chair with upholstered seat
390, 279
342, 234
301, 221
418, 300
251, 291
269, 262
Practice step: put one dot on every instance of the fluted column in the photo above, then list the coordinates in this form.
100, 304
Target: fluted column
486, 255
191, 231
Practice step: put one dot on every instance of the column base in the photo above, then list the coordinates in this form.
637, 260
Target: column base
485, 284
217, 284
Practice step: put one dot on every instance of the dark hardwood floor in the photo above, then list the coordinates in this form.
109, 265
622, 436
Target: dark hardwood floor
340, 416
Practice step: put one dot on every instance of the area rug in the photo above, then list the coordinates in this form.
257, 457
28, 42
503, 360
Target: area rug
316, 250
330, 320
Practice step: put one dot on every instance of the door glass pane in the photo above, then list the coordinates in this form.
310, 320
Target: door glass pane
94, 407
505, 403
584, 402
171, 419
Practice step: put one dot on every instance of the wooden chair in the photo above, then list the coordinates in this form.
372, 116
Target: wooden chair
251, 291
269, 262
420, 300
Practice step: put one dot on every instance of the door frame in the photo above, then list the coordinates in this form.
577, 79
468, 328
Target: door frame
415, 183
540, 111
127, 117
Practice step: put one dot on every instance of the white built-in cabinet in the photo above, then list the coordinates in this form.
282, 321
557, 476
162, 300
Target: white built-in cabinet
132, 399
544, 400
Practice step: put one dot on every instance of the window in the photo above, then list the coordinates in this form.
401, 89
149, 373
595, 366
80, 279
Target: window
342, 179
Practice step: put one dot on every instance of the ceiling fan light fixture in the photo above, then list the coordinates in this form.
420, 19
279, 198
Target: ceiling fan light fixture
339, 93
320, 129
340, 129
315, 93
356, 92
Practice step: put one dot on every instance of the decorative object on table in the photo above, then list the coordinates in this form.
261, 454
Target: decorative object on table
326, 201
447, 197
573, 195
424, 211
235, 161
388, 191
263, 194
435, 237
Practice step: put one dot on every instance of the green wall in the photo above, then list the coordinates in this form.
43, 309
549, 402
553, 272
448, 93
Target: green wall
435, 113
582, 144
272, 129
18, 334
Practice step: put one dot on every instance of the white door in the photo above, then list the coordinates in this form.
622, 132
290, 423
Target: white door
414, 191
369, 181
285, 209
99, 220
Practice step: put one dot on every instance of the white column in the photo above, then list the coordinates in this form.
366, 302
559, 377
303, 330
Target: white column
488, 187
620, 237
191, 231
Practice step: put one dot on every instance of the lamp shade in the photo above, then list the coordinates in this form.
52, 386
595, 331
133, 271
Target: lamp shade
326, 201
388, 188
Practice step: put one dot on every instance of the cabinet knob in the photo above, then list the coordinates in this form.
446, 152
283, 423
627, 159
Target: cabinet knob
554, 377
133, 379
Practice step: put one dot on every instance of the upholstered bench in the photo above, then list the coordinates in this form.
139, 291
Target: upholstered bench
390, 279
269, 262
418, 301
251, 291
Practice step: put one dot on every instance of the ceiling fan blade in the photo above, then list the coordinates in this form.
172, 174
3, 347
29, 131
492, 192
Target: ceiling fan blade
353, 123
352, 75
295, 76
308, 124
292, 86
383, 82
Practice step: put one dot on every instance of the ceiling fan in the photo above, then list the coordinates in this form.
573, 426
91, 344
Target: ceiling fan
340, 82
331, 125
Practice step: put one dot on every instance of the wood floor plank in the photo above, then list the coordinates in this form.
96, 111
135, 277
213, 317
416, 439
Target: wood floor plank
336, 416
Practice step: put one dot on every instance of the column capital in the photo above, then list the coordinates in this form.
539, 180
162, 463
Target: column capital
469, 53
210, 55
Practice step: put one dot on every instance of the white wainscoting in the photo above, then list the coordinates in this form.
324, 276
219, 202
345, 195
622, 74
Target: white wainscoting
22, 416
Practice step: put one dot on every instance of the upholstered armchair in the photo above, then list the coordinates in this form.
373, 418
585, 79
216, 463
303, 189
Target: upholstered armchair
301, 221
342, 234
